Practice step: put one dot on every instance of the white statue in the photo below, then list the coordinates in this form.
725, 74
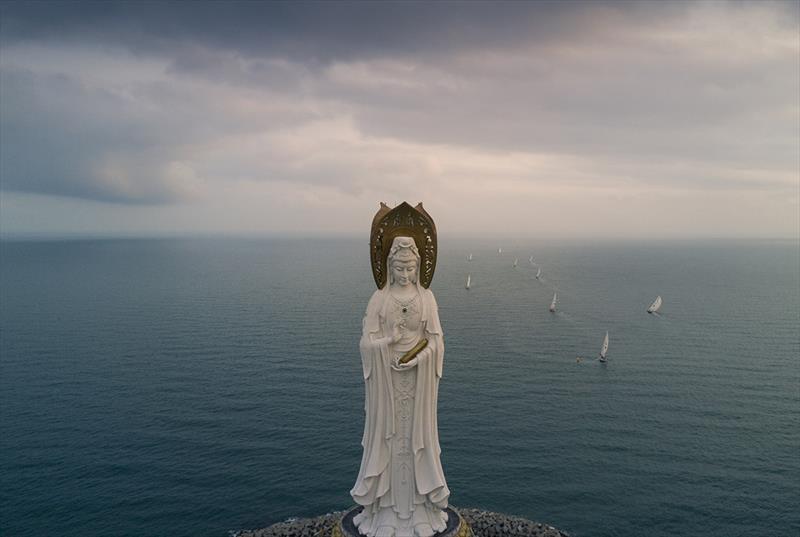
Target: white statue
401, 483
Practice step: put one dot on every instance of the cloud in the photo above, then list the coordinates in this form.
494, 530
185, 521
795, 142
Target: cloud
159, 104
302, 31
112, 127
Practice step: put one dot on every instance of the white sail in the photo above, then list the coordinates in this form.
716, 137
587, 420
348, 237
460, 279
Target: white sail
531, 260
604, 349
553, 303
539, 273
469, 278
654, 307
469, 258
516, 260
499, 251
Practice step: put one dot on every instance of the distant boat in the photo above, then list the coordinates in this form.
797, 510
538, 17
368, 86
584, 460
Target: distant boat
469, 258
553, 303
499, 251
604, 349
531, 260
516, 260
539, 273
469, 279
655, 306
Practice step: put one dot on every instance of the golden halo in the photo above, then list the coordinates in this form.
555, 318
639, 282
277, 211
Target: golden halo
402, 221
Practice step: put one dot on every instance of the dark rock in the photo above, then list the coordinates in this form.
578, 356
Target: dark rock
483, 524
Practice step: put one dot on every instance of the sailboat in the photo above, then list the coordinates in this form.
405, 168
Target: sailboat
604, 349
469, 258
553, 303
531, 260
539, 273
516, 260
499, 251
654, 307
469, 278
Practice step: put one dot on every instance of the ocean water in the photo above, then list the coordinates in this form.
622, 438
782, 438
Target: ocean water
196, 386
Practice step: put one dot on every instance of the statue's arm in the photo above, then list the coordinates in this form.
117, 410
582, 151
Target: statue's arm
433, 329
371, 327
374, 347
373, 339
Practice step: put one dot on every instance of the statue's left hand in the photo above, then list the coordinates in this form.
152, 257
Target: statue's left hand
423, 354
397, 366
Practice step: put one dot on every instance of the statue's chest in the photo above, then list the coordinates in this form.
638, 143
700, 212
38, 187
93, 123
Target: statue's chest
408, 313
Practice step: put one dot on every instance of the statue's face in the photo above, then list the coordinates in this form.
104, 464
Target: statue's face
404, 272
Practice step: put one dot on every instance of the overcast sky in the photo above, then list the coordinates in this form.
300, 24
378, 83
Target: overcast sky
615, 119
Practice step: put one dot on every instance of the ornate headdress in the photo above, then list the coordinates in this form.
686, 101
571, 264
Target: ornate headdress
402, 221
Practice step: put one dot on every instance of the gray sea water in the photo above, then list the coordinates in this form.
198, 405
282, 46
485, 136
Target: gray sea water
196, 386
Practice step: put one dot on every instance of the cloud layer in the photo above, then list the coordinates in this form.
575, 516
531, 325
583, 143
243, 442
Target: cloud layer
681, 111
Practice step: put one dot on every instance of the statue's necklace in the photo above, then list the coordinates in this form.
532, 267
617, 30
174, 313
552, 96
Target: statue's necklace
405, 305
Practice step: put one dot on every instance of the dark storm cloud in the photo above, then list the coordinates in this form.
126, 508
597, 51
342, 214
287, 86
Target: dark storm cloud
309, 31
617, 88
668, 94
46, 144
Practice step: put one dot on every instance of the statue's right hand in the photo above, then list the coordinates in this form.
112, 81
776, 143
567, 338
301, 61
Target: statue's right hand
397, 332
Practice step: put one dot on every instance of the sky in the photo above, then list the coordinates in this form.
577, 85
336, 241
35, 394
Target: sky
540, 119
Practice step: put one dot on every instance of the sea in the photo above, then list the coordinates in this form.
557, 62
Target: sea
198, 386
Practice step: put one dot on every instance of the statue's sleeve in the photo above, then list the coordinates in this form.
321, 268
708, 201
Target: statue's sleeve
434, 329
369, 347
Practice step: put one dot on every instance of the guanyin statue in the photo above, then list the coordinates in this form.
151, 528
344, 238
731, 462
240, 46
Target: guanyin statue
400, 484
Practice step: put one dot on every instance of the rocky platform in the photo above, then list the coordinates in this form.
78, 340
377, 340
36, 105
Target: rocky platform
483, 524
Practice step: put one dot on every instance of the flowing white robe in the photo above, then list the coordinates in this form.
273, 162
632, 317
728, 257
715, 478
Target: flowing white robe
373, 488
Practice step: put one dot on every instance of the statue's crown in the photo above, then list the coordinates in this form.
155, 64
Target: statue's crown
403, 249
417, 233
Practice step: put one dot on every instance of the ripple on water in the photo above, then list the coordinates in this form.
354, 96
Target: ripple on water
144, 382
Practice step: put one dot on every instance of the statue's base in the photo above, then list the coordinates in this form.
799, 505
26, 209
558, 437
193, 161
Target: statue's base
456, 525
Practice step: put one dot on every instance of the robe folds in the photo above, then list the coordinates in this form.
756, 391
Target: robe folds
373, 483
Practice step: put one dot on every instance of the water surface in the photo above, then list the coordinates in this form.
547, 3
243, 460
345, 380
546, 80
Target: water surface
191, 387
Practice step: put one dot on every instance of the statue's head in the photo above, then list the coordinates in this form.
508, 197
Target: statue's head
403, 262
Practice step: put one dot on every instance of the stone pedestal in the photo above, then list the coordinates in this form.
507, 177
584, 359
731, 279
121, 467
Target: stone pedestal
456, 525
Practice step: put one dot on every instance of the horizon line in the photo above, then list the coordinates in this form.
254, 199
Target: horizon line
36, 236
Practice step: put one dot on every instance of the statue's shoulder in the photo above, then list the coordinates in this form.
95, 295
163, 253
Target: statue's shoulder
375, 302
427, 295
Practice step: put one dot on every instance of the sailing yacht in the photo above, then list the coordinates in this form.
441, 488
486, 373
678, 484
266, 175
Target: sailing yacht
516, 260
553, 303
469, 278
469, 258
604, 349
499, 251
539, 273
655, 306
